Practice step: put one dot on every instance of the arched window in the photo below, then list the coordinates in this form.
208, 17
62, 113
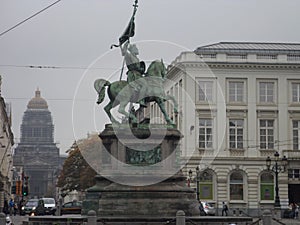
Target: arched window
267, 186
236, 186
206, 186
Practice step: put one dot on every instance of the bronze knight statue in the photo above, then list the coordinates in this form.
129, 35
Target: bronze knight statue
136, 69
141, 87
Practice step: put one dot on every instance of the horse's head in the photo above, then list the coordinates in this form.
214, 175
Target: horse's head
157, 68
163, 69
99, 86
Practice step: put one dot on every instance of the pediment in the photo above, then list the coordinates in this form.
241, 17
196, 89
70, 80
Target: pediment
36, 161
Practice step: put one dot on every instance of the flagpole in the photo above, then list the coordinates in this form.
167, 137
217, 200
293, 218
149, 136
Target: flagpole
129, 28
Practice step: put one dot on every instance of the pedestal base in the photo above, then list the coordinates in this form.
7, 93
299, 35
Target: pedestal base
93, 195
158, 200
143, 166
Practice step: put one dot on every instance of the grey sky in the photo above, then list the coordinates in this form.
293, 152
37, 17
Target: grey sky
75, 33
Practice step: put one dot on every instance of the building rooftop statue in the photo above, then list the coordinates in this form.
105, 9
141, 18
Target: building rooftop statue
37, 102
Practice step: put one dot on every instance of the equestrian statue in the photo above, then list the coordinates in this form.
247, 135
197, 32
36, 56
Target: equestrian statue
141, 86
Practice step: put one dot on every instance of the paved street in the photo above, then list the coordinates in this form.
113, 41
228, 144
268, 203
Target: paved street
17, 220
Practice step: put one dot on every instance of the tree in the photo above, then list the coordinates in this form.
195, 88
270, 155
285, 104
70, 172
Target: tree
76, 174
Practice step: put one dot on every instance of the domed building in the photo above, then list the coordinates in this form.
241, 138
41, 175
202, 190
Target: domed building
37, 156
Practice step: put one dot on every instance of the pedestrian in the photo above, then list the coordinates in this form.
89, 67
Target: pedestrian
15, 209
21, 204
297, 212
201, 209
293, 210
224, 209
11, 205
5, 207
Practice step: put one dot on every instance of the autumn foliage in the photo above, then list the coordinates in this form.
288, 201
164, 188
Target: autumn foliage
76, 173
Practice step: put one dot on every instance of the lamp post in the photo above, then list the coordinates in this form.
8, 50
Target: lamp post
196, 178
276, 168
197, 181
190, 177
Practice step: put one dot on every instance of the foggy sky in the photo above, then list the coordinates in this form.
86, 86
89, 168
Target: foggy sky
77, 34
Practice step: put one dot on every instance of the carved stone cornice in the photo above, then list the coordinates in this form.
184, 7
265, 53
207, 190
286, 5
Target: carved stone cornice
236, 65
252, 65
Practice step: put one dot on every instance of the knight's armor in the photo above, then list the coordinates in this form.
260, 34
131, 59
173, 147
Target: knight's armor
136, 69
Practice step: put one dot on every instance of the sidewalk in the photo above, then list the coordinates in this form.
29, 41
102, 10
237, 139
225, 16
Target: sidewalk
18, 220
283, 220
290, 221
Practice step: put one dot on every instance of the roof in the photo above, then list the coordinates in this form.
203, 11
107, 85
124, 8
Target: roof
250, 47
37, 102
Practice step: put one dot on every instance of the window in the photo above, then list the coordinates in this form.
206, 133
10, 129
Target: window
205, 91
206, 186
68, 205
37, 132
236, 134
294, 173
266, 56
267, 186
236, 91
296, 92
292, 57
205, 133
296, 131
236, 186
266, 134
236, 56
209, 56
266, 92
27, 131
176, 92
180, 91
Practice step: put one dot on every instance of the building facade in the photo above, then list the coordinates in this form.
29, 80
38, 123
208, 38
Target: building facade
239, 103
37, 157
6, 148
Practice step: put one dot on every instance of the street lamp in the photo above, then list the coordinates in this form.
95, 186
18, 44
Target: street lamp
197, 181
196, 178
190, 177
277, 168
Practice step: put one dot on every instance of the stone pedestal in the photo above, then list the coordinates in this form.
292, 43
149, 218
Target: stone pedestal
93, 195
144, 169
162, 200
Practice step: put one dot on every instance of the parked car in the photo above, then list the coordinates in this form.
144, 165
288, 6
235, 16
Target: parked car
71, 208
209, 209
30, 207
46, 206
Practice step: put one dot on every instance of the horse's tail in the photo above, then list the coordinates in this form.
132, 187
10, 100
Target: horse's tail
99, 86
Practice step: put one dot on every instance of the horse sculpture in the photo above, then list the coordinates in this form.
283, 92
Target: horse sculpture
121, 93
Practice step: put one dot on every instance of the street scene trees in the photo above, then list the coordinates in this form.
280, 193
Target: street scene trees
76, 173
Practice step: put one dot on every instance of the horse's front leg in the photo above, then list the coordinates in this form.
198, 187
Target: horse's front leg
126, 114
107, 109
161, 105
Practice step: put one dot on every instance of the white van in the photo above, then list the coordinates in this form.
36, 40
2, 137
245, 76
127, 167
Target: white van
47, 206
